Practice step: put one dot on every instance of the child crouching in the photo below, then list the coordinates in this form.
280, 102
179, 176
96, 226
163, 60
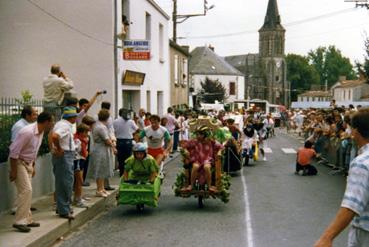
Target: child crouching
304, 160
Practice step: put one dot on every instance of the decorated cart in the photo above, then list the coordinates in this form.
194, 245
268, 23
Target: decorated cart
133, 192
220, 180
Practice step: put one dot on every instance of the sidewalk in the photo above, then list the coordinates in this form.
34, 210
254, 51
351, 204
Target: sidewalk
53, 227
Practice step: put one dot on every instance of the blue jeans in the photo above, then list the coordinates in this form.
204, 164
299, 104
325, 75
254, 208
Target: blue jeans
64, 178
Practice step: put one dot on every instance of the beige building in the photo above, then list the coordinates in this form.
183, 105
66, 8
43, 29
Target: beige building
311, 96
178, 74
351, 90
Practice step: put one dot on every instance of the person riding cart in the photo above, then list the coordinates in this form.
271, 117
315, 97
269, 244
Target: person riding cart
201, 152
202, 176
140, 166
140, 183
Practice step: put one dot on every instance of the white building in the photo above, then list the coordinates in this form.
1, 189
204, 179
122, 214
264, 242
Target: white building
312, 96
205, 63
147, 22
351, 90
78, 35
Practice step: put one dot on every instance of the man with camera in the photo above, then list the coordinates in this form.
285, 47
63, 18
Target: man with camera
56, 88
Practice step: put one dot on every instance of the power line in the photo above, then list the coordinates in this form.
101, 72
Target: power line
68, 25
310, 19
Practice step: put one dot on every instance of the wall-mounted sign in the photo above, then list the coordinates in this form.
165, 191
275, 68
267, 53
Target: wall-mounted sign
133, 78
136, 49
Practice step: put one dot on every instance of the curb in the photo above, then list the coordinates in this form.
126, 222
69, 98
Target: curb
82, 216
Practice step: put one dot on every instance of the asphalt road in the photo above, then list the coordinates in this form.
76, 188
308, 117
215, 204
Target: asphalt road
281, 210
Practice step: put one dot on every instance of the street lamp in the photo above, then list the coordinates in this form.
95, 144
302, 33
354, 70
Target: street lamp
177, 19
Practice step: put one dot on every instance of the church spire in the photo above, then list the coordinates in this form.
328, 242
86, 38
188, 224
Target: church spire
272, 19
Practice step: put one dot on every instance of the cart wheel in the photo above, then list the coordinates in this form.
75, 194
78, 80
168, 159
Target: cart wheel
140, 207
201, 202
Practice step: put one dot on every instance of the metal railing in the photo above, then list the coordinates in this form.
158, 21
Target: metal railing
10, 113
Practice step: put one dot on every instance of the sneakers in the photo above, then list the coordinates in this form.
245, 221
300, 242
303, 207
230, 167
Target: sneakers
67, 216
86, 184
34, 224
22, 228
80, 204
109, 188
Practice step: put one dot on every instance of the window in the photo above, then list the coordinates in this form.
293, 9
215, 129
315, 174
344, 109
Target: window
176, 61
270, 47
344, 94
232, 88
125, 19
184, 72
148, 101
161, 43
349, 94
148, 26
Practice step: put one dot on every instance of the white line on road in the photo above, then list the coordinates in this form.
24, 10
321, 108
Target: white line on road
250, 241
288, 150
268, 150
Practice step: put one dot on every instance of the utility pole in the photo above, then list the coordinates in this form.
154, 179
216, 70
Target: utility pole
177, 19
174, 17
360, 3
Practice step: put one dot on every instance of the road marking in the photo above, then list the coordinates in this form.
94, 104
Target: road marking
268, 150
288, 150
250, 241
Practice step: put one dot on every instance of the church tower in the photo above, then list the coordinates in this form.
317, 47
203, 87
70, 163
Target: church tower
271, 52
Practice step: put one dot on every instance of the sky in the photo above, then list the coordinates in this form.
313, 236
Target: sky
308, 23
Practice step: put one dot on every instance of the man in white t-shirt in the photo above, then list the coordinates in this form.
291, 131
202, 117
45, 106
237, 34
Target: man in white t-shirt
156, 135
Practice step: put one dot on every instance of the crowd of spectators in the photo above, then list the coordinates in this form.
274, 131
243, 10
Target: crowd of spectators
330, 132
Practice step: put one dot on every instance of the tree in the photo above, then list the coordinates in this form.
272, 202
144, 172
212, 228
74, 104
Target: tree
331, 64
212, 90
301, 74
363, 68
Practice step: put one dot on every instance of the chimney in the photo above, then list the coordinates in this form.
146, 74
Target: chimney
342, 78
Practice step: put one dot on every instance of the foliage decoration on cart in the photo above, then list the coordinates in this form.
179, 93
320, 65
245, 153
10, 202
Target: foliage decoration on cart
219, 179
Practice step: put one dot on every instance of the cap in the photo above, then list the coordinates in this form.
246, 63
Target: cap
69, 112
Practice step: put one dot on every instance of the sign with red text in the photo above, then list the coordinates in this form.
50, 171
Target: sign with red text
136, 49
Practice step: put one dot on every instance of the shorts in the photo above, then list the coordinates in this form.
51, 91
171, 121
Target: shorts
79, 165
155, 152
357, 237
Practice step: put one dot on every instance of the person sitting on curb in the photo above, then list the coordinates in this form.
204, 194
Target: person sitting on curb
140, 166
304, 159
201, 154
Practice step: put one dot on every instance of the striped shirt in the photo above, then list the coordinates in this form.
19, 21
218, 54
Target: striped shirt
356, 196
